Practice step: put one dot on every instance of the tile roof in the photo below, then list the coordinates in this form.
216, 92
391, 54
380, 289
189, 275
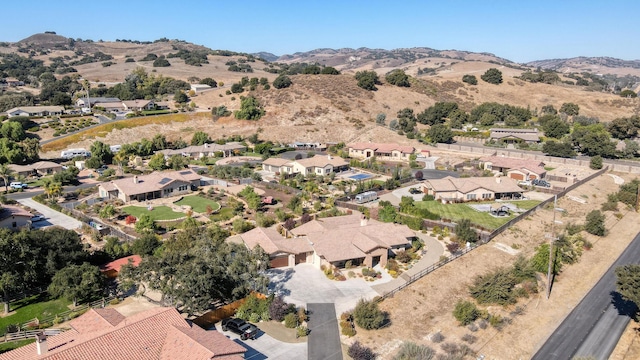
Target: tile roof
322, 161
534, 166
276, 162
37, 109
136, 103
524, 134
272, 242
35, 166
117, 264
8, 211
466, 185
159, 333
382, 147
206, 148
151, 182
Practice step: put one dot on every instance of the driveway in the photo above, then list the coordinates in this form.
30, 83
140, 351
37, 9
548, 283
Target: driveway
305, 284
51, 216
324, 338
266, 347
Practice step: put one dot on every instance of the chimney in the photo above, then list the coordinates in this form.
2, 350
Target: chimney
135, 179
41, 343
498, 179
329, 156
363, 221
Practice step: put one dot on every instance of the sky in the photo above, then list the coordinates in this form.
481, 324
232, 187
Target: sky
517, 30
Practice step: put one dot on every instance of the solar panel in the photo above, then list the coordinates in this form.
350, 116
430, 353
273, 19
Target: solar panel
185, 172
164, 181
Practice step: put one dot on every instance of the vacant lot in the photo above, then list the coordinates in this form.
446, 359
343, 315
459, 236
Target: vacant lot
464, 211
157, 212
198, 203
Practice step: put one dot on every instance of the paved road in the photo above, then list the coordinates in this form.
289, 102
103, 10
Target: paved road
594, 327
37, 191
324, 338
266, 347
52, 217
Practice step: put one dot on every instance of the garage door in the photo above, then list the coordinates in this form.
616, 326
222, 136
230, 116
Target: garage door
280, 261
516, 176
301, 258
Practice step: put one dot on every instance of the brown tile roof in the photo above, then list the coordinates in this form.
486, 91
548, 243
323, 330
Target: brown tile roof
276, 162
117, 264
40, 165
8, 211
272, 242
204, 149
534, 166
382, 147
466, 185
322, 161
152, 182
159, 333
136, 103
524, 134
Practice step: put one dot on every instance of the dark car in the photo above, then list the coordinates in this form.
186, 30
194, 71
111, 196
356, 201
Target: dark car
240, 327
415, 191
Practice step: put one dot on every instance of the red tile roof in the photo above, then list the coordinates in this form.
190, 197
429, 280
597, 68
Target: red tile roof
117, 264
159, 333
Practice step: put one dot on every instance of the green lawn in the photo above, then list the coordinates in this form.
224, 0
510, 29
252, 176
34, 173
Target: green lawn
198, 203
14, 345
223, 215
464, 211
32, 307
158, 212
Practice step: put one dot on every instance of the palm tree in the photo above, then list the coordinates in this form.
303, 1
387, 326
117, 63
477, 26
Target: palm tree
51, 188
5, 173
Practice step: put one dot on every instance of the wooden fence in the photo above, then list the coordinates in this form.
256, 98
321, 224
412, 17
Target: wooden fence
207, 320
30, 334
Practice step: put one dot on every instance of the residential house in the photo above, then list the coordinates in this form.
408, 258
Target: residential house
282, 252
153, 186
450, 189
13, 82
35, 111
209, 149
318, 165
158, 333
90, 102
112, 269
384, 152
14, 217
353, 238
517, 169
38, 168
529, 136
200, 87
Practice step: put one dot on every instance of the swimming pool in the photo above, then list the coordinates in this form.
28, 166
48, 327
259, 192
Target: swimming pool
360, 176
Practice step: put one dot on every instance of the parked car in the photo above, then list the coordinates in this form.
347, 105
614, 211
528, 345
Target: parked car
415, 191
240, 327
18, 185
37, 217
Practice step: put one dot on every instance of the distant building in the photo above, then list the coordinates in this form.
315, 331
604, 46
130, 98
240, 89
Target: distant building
517, 169
200, 87
515, 135
37, 168
13, 82
209, 149
35, 111
112, 269
89, 102
318, 165
384, 152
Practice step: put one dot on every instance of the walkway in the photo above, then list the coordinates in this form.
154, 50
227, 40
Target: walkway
434, 251
324, 337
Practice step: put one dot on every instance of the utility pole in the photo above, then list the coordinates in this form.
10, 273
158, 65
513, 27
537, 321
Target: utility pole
553, 239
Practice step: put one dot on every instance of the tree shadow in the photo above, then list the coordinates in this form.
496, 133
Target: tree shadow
278, 279
624, 307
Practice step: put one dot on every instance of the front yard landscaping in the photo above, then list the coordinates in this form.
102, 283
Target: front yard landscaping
157, 212
198, 203
464, 211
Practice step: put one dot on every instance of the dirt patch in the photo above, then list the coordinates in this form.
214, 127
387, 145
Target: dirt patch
425, 307
279, 332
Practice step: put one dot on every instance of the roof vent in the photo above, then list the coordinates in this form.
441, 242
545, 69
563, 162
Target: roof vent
41, 343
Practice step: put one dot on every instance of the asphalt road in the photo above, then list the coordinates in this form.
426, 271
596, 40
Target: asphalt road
594, 327
324, 337
37, 191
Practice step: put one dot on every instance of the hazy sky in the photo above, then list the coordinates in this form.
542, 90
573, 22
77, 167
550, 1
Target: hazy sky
518, 30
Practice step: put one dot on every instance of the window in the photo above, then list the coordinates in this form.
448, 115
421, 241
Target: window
471, 196
486, 196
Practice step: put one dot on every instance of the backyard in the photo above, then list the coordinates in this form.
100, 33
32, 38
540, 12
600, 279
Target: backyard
157, 212
31, 307
198, 203
464, 211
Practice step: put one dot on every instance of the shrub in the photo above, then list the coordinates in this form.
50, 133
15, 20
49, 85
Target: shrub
595, 223
403, 256
290, 320
470, 79
413, 351
482, 324
496, 321
358, 351
453, 247
302, 315
302, 331
496, 287
466, 312
347, 329
469, 338
368, 315
596, 162
279, 308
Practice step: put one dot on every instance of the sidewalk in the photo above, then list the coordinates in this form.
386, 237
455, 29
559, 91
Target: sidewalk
434, 251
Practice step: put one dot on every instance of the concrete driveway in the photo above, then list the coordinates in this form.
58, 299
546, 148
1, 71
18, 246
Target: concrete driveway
306, 284
52, 217
266, 347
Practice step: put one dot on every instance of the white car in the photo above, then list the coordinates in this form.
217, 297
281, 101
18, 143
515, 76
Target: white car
37, 217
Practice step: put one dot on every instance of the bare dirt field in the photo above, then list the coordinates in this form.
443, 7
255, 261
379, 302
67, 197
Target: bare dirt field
426, 306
